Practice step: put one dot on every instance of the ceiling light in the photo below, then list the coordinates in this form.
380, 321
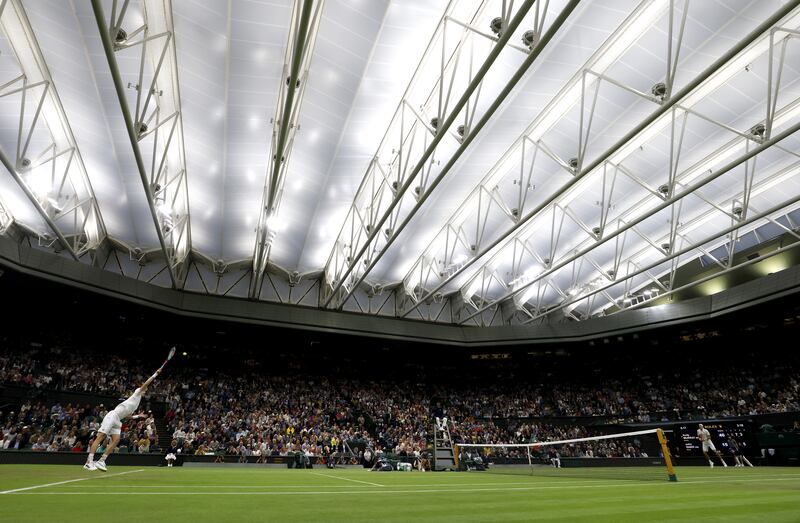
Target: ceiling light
275, 223
659, 90
473, 287
260, 55
496, 25
164, 209
40, 181
529, 38
522, 298
54, 204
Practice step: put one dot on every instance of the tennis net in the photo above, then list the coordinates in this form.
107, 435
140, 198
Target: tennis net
641, 454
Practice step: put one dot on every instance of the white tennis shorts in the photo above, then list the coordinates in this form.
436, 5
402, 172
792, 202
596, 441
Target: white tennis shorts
708, 444
111, 424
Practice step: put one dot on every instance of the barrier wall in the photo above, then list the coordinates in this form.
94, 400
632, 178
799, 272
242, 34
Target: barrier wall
8, 457
28, 457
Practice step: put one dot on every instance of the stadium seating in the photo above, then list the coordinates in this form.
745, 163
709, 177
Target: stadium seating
252, 413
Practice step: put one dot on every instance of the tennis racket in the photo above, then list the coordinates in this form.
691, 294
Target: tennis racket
169, 357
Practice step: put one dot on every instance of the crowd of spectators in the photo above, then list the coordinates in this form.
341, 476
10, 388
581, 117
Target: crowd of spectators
245, 411
69, 428
523, 431
639, 397
60, 368
256, 415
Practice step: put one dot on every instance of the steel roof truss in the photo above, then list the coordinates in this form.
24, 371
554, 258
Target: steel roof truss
674, 151
676, 252
437, 103
691, 92
156, 106
297, 62
54, 180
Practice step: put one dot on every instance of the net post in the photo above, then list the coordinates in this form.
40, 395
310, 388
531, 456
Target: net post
455, 455
662, 440
530, 463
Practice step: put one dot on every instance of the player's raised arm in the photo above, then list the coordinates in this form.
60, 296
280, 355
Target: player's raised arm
158, 371
150, 380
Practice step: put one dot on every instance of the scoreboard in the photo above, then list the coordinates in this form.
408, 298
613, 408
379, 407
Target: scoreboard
685, 437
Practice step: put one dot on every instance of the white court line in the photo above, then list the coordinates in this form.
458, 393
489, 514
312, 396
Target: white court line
405, 491
561, 482
410, 485
348, 479
69, 481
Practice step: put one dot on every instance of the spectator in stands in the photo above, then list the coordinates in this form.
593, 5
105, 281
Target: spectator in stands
179, 434
39, 445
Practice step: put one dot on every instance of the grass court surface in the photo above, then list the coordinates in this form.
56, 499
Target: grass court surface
61, 493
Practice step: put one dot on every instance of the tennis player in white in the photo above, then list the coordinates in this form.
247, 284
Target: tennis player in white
705, 439
112, 422
112, 426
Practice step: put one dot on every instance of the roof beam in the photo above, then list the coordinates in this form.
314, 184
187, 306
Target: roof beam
299, 50
443, 256
752, 222
6, 219
735, 207
669, 202
690, 93
378, 197
155, 121
535, 51
680, 186
53, 177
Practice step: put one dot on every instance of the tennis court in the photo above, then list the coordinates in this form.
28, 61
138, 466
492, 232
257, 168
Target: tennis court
68, 493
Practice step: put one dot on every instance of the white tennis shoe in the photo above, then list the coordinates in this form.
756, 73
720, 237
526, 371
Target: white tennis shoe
100, 465
90, 466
